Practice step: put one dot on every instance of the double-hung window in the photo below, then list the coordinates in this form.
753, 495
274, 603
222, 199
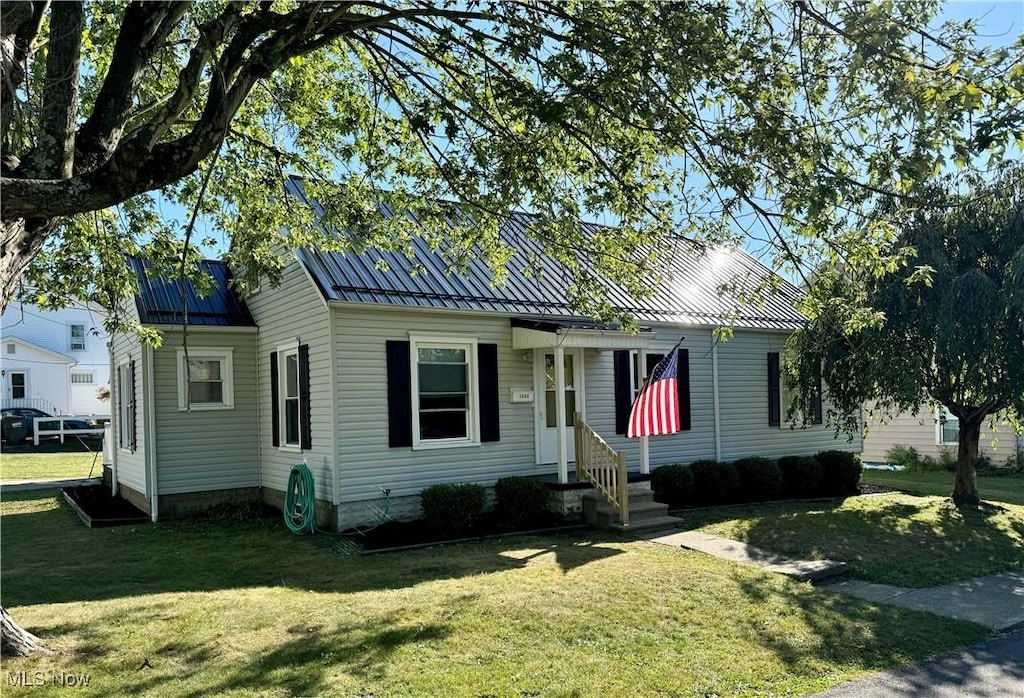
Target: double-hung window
444, 392
948, 428
290, 415
77, 337
205, 379
126, 404
651, 362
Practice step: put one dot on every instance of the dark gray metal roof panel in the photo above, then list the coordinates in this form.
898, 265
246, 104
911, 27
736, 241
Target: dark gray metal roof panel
687, 295
160, 300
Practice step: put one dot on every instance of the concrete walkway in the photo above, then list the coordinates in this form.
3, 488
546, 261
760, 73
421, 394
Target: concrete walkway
996, 601
24, 485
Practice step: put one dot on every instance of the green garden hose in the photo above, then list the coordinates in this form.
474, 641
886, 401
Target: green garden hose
300, 501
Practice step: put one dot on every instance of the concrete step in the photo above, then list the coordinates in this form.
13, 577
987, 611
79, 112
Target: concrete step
598, 512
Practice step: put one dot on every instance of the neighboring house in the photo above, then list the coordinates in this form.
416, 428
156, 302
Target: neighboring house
385, 382
54, 360
930, 432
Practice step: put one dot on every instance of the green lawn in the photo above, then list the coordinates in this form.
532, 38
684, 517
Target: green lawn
243, 608
992, 488
893, 539
49, 466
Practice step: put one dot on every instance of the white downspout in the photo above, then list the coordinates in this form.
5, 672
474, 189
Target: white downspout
714, 385
149, 412
334, 383
115, 419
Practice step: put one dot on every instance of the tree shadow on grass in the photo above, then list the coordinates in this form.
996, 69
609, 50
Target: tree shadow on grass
51, 558
899, 540
846, 631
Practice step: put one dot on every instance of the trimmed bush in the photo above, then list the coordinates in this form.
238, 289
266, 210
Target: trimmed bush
714, 482
760, 479
914, 462
453, 508
800, 475
673, 485
521, 501
840, 473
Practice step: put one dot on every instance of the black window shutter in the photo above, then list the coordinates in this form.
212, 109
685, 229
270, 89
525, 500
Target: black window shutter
487, 376
305, 411
816, 405
399, 395
623, 390
135, 412
774, 395
683, 389
275, 415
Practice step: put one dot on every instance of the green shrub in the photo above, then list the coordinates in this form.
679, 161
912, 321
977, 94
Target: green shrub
453, 508
947, 460
714, 482
521, 501
760, 479
913, 462
904, 456
673, 485
840, 473
1014, 464
800, 475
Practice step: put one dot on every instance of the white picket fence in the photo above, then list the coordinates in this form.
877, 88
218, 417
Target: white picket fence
61, 431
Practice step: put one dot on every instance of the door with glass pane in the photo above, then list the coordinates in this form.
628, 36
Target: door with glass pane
545, 406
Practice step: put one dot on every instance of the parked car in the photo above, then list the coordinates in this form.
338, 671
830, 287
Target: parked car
30, 413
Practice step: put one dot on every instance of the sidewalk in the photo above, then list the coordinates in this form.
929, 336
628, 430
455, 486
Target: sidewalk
996, 601
24, 485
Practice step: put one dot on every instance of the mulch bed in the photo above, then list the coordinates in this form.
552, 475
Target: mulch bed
97, 507
397, 534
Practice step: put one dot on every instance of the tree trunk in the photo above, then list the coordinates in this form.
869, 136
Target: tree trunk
22, 240
15, 640
965, 488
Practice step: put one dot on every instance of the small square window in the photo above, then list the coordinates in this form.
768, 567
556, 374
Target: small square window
205, 380
11, 348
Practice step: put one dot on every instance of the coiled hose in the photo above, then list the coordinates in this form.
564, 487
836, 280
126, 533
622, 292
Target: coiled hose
300, 501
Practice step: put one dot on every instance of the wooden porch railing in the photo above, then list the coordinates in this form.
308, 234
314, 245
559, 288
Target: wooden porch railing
601, 466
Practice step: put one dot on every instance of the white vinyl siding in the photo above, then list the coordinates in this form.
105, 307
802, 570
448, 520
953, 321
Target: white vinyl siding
292, 314
206, 449
921, 432
131, 467
366, 463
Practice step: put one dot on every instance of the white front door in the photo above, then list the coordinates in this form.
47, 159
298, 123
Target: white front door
544, 402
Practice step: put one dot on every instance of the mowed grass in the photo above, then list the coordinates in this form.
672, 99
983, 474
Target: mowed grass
230, 608
892, 539
49, 466
991, 488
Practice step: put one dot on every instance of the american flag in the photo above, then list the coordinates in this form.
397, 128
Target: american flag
656, 408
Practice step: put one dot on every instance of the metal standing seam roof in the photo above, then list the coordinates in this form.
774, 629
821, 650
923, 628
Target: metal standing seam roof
688, 294
159, 300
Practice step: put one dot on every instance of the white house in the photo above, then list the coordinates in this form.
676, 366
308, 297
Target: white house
54, 360
390, 381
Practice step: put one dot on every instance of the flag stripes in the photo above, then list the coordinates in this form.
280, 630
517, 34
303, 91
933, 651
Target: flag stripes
656, 409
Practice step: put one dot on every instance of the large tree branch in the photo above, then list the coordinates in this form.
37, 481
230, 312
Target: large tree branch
20, 23
143, 29
55, 152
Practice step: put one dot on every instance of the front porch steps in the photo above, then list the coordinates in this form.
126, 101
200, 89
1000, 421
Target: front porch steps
645, 514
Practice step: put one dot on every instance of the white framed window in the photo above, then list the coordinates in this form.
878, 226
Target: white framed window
947, 427
289, 411
445, 396
126, 404
205, 379
77, 337
651, 361
81, 378
11, 348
